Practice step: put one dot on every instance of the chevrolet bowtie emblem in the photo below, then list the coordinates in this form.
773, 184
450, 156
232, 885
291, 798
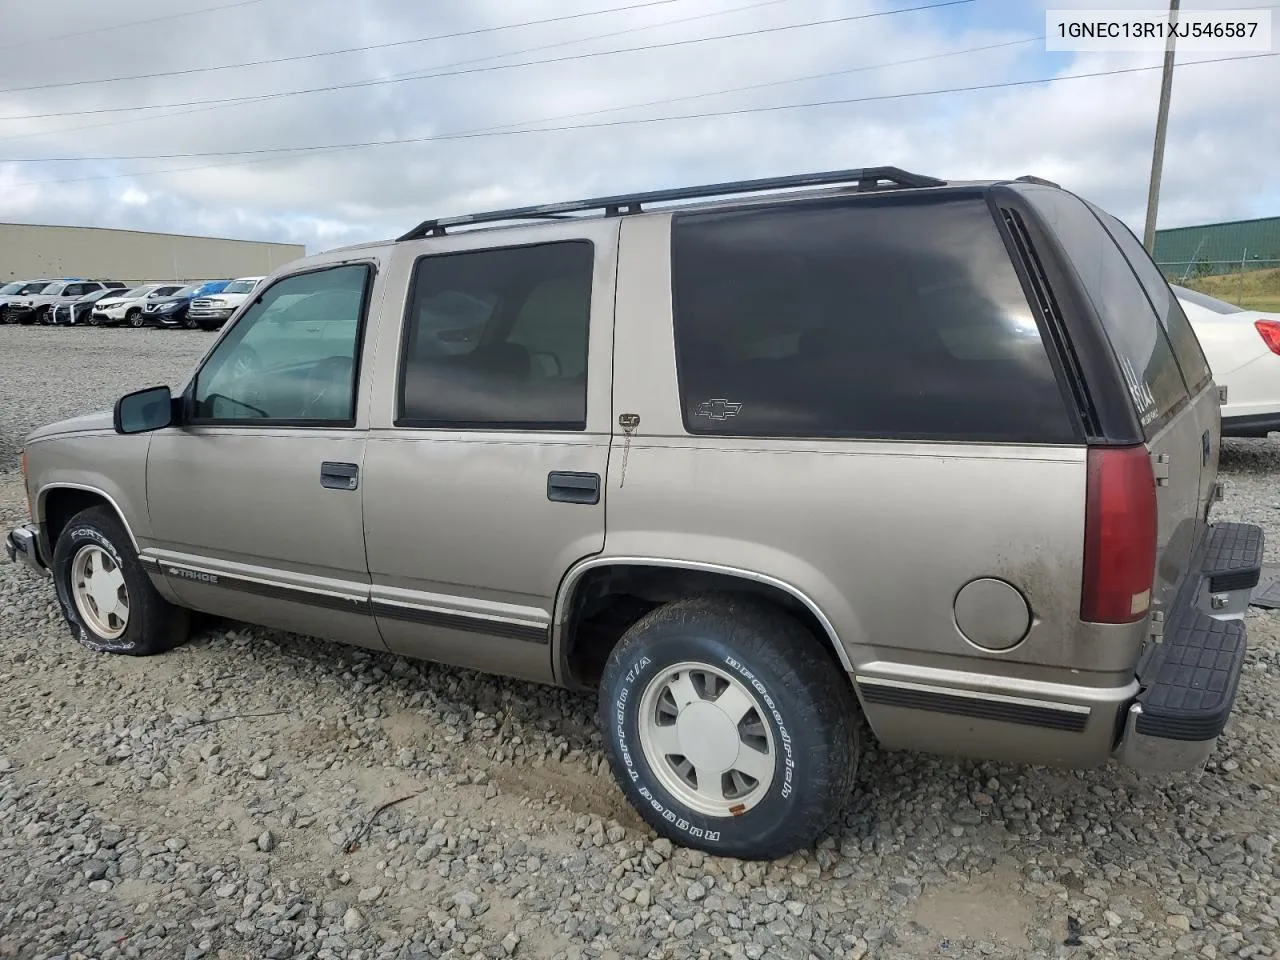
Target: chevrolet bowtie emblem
718, 409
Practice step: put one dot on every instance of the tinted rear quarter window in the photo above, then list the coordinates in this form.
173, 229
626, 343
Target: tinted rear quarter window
878, 317
1186, 347
1137, 338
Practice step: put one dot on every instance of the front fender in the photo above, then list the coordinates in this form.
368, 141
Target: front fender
110, 465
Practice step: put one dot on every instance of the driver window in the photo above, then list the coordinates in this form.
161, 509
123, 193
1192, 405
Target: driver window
292, 355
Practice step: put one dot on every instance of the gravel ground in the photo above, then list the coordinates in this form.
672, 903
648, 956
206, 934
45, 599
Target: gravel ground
216, 801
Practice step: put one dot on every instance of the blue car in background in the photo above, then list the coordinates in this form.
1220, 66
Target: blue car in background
172, 311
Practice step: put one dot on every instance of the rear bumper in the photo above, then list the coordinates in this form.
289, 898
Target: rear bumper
1166, 717
1190, 677
1250, 425
22, 545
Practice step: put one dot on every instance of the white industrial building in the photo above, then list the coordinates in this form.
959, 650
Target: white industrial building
30, 251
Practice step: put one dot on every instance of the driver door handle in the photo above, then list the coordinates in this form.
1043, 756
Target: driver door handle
339, 476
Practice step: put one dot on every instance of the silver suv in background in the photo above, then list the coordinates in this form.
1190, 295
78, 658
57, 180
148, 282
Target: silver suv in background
210, 313
874, 445
17, 290
38, 307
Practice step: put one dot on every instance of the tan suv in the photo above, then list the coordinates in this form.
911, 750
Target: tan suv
753, 461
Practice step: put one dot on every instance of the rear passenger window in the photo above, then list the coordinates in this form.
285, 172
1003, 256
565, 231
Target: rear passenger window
1137, 338
884, 317
1186, 346
498, 338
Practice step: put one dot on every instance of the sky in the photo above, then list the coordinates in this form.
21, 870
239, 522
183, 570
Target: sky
81, 144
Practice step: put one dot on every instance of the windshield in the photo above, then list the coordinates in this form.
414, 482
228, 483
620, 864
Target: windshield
239, 286
96, 296
188, 291
54, 289
135, 293
11, 288
31, 288
1204, 300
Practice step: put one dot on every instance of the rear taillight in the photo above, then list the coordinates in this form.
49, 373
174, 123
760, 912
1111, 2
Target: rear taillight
1269, 330
1119, 536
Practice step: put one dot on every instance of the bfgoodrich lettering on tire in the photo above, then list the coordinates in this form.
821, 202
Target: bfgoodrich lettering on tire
107, 598
728, 727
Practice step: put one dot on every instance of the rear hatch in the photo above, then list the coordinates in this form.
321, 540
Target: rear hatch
1166, 378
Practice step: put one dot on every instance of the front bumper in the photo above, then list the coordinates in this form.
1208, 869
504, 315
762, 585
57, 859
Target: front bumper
22, 545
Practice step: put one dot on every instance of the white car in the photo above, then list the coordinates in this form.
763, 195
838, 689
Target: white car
209, 313
128, 306
1243, 350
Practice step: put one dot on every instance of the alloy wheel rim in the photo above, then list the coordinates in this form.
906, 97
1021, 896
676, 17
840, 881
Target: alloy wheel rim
705, 737
99, 591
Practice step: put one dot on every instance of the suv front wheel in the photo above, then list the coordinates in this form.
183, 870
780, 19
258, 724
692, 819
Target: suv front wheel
728, 727
108, 599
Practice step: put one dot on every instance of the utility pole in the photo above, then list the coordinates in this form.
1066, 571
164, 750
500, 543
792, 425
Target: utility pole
1162, 125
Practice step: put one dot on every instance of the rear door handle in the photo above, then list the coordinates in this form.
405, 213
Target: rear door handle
566, 487
339, 476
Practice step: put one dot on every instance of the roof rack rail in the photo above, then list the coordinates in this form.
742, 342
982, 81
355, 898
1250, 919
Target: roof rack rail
867, 178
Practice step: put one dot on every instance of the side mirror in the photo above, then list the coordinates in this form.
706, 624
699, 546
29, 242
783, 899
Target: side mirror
144, 410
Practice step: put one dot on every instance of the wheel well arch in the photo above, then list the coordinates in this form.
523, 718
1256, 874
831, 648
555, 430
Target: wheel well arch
600, 600
60, 502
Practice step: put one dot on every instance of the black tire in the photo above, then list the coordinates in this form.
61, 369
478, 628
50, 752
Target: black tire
135, 319
801, 695
153, 625
190, 324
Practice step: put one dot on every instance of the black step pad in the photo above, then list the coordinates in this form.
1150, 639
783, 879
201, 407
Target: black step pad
1191, 678
1233, 558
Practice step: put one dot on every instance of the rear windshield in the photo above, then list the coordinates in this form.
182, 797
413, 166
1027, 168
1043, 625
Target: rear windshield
890, 317
1137, 337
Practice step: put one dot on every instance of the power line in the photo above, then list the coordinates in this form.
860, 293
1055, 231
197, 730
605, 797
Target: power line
333, 53
467, 135
568, 116
418, 75
413, 74
132, 23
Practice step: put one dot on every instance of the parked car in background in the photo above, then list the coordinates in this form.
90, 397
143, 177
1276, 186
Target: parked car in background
128, 306
8, 290
172, 311
1243, 349
38, 308
209, 313
77, 312
16, 291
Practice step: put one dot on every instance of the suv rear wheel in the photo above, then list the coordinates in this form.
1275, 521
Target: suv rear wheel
106, 596
728, 728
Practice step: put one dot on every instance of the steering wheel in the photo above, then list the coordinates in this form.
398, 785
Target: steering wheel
332, 371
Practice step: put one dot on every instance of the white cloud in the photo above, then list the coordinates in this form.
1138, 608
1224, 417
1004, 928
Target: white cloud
1091, 135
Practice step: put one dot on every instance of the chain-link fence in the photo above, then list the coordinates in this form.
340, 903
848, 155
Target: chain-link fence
1183, 270
1237, 261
